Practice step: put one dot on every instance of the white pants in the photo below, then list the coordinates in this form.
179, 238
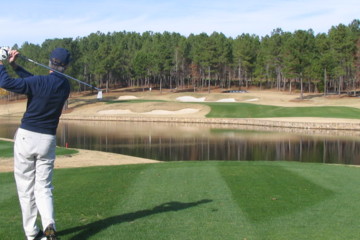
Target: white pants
34, 156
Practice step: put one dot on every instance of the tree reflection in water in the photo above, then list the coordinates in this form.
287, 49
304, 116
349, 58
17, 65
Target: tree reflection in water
190, 142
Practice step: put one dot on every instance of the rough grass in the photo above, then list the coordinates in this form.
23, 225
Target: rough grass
199, 200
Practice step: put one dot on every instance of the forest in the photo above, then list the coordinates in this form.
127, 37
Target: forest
299, 61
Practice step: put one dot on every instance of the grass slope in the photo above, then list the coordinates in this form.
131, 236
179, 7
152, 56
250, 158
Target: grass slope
248, 110
198, 200
6, 150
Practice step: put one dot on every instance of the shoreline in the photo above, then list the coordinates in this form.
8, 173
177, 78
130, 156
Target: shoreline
86, 109
306, 123
84, 158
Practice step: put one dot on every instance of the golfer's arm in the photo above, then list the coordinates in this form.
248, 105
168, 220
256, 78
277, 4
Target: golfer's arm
14, 65
17, 85
21, 72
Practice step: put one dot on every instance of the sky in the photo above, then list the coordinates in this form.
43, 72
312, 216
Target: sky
37, 20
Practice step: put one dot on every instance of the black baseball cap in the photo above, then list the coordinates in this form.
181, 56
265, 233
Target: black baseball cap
60, 57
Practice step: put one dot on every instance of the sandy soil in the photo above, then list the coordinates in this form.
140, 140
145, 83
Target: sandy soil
180, 106
85, 158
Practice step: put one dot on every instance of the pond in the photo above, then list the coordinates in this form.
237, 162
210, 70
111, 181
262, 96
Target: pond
199, 142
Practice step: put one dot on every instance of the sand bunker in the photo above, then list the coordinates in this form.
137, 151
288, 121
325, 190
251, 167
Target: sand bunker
202, 99
127, 97
153, 112
227, 100
181, 111
251, 100
116, 111
190, 99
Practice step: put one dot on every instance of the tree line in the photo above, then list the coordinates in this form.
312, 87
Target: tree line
300, 60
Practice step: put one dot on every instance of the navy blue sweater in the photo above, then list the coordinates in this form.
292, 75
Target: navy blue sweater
46, 97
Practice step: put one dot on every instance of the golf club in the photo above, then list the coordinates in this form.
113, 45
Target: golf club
99, 94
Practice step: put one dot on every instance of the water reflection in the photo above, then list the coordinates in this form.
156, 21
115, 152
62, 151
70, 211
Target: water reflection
175, 142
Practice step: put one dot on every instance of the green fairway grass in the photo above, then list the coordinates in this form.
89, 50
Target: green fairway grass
248, 110
199, 200
6, 150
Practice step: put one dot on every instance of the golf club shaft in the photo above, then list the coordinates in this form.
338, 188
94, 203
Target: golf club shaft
47, 67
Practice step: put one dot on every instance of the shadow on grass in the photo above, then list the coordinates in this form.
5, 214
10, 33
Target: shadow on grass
91, 229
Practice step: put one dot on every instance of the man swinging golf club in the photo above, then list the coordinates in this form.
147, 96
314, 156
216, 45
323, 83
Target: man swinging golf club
35, 140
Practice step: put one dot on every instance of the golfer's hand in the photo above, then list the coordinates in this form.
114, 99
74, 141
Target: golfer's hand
12, 58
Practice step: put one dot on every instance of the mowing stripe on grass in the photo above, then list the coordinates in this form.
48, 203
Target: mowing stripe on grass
180, 200
316, 199
10, 215
278, 191
86, 201
200, 200
7, 190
